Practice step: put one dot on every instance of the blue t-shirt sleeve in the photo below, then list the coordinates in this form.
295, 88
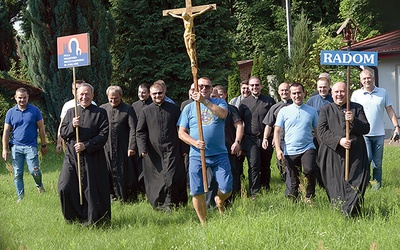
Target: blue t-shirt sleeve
388, 102
279, 119
315, 120
8, 117
38, 114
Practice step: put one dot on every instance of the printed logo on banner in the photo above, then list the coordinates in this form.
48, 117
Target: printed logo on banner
73, 51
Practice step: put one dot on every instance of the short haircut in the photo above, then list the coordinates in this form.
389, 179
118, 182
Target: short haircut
245, 82
158, 84
114, 90
220, 87
144, 85
255, 77
205, 78
22, 90
77, 82
296, 84
85, 84
162, 83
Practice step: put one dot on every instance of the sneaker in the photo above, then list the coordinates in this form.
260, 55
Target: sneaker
19, 200
41, 189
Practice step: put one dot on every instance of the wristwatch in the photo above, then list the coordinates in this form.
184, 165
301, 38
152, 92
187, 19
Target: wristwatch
44, 145
206, 102
397, 126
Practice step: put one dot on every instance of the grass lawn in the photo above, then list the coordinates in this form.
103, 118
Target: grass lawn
269, 222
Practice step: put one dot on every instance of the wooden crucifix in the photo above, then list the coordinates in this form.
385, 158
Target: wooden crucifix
188, 14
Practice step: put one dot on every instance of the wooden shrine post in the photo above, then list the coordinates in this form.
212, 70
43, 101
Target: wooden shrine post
349, 30
188, 14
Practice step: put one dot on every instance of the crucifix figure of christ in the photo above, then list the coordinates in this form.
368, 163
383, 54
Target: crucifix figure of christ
188, 14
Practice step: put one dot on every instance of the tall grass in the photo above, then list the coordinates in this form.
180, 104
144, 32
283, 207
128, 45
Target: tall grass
269, 222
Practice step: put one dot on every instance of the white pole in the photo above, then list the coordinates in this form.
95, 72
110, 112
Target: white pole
289, 28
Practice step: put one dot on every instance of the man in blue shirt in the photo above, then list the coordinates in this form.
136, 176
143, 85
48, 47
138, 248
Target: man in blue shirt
298, 121
324, 96
213, 114
24, 120
375, 101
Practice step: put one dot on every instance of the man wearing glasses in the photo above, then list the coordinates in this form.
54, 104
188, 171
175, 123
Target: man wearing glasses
161, 152
252, 110
213, 114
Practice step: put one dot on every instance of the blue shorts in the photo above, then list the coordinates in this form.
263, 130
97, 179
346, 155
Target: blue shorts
221, 168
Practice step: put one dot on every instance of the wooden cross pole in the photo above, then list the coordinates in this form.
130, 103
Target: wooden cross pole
188, 14
349, 30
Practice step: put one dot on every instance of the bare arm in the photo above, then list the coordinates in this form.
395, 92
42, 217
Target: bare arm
42, 135
59, 145
215, 109
393, 117
174, 15
5, 139
267, 132
235, 148
184, 136
210, 7
277, 142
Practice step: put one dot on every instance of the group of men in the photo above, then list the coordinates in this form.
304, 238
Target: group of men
118, 150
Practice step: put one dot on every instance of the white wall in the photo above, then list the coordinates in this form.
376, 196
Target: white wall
389, 79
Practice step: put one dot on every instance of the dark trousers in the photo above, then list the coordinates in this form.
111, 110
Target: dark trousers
296, 163
259, 162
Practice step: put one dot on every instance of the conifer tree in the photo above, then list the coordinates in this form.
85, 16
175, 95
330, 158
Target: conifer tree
149, 46
8, 51
44, 21
234, 82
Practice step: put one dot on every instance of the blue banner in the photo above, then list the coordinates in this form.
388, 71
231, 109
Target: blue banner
349, 58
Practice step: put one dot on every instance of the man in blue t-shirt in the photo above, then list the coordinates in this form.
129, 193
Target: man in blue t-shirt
213, 114
24, 120
297, 121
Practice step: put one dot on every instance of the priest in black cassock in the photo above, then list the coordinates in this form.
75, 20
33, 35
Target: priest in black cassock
93, 134
120, 148
345, 195
161, 152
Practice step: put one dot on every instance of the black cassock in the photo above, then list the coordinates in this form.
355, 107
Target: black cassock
93, 132
163, 168
348, 196
122, 136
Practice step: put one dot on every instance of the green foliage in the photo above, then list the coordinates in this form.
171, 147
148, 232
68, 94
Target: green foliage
269, 222
261, 29
162, 53
260, 69
43, 23
234, 81
300, 65
372, 17
324, 12
8, 50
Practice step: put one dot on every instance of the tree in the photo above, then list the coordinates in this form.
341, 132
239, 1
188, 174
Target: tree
8, 48
44, 21
300, 64
234, 80
149, 46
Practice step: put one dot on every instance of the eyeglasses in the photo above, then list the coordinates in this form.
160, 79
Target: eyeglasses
205, 86
254, 85
157, 93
